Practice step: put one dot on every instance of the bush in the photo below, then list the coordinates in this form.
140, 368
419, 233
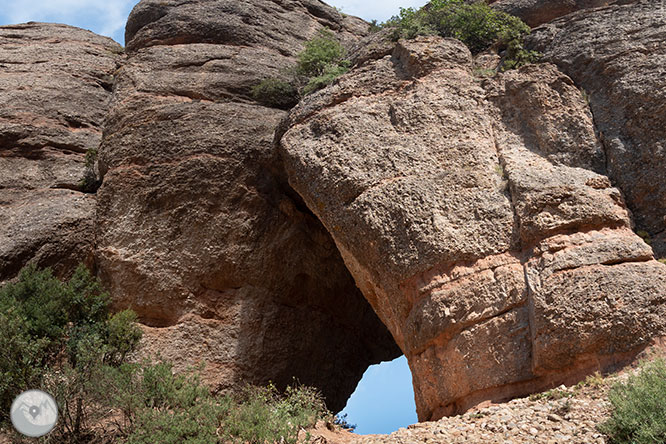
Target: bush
639, 407
320, 53
319, 64
275, 93
262, 416
331, 72
57, 336
477, 25
158, 406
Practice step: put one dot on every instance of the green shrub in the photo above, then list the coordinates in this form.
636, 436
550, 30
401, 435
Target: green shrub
57, 336
477, 25
158, 406
331, 72
275, 93
639, 407
262, 415
319, 54
319, 64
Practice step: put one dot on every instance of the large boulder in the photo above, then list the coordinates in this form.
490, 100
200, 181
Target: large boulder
55, 89
198, 230
617, 56
475, 217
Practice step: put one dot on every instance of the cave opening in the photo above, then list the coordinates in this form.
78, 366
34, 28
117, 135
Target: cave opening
383, 400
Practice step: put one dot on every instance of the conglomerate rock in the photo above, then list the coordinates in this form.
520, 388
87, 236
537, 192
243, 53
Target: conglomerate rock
476, 219
489, 222
55, 84
617, 55
537, 12
197, 229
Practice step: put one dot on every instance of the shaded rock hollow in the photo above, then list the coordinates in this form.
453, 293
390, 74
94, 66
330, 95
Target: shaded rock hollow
488, 222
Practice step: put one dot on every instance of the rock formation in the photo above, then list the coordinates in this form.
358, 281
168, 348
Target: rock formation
55, 88
617, 56
489, 222
537, 12
476, 218
197, 229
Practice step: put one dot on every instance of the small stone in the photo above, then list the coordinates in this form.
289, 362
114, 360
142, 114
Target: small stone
554, 417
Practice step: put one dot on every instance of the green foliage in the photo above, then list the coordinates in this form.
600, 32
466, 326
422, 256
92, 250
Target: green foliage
639, 412
342, 421
331, 72
159, 406
275, 93
319, 64
484, 72
261, 415
319, 54
57, 336
375, 26
477, 25
595, 380
123, 336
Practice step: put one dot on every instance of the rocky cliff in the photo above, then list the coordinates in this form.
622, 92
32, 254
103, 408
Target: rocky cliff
484, 226
55, 87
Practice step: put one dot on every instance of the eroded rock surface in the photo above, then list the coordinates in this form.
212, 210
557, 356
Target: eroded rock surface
198, 230
617, 55
55, 89
537, 12
476, 219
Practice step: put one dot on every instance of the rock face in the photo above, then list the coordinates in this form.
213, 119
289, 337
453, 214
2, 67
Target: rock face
488, 222
537, 12
617, 55
55, 84
476, 218
197, 229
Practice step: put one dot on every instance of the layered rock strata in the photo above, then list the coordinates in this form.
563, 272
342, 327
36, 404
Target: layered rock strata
197, 228
475, 217
55, 89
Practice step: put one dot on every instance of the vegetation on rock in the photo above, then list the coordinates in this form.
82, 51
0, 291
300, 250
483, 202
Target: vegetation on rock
319, 64
275, 93
477, 25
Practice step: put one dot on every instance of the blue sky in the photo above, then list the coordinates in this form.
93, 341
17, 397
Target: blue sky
107, 17
384, 399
